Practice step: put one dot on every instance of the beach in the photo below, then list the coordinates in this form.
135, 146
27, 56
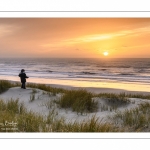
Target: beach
120, 74
85, 75
105, 86
39, 104
42, 100
114, 87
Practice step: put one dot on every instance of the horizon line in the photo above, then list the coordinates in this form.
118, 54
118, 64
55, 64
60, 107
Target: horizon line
78, 57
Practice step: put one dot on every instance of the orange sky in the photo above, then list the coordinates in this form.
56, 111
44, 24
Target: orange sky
75, 37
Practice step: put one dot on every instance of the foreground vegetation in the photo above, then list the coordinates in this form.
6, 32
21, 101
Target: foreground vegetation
5, 85
81, 101
134, 120
16, 118
27, 121
44, 87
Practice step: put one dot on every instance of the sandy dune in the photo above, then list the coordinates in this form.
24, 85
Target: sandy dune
42, 98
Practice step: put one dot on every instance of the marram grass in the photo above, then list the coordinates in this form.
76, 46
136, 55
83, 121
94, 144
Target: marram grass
79, 100
27, 121
5, 85
115, 99
135, 120
46, 88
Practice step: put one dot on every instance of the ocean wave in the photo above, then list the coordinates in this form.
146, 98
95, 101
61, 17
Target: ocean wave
103, 69
126, 74
113, 66
124, 67
88, 69
49, 71
141, 71
84, 72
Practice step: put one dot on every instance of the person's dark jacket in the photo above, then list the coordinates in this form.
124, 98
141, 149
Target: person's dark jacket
23, 77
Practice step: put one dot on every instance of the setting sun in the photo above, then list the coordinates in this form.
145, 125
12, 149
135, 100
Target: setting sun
75, 37
105, 53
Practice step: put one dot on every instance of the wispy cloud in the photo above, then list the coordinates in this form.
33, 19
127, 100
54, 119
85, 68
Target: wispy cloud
99, 37
6, 30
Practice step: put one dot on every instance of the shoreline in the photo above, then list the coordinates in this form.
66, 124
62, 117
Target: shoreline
95, 90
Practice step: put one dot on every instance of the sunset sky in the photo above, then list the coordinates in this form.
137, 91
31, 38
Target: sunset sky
75, 37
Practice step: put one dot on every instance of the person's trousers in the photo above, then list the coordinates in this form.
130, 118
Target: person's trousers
23, 85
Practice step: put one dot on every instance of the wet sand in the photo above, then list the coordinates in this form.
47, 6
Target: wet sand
96, 87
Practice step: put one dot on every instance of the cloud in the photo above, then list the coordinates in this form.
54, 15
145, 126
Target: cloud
73, 35
6, 30
100, 37
87, 37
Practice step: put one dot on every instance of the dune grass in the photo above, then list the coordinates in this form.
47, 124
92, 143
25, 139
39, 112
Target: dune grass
142, 96
78, 100
123, 97
5, 85
27, 121
32, 97
34, 91
135, 120
112, 101
12, 111
92, 125
115, 99
47, 88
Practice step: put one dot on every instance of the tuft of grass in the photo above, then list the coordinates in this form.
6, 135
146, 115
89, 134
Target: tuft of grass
12, 111
137, 119
115, 100
103, 107
34, 91
4, 85
79, 100
13, 106
44, 87
27, 121
141, 96
123, 96
32, 97
50, 104
31, 122
91, 125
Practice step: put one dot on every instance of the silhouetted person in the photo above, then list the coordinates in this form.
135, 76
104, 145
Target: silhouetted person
23, 77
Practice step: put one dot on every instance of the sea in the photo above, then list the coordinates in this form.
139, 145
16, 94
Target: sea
135, 70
